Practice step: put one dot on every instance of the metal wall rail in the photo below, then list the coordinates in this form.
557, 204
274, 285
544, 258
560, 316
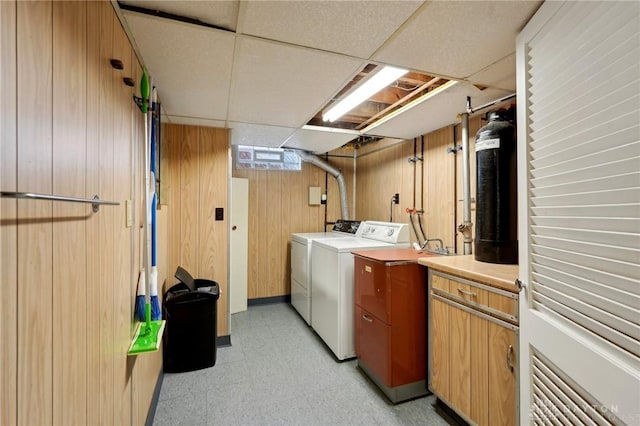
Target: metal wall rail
95, 201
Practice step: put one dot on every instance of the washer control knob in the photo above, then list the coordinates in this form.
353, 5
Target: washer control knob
390, 232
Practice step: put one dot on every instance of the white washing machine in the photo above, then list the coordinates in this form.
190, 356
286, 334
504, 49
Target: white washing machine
301, 263
332, 299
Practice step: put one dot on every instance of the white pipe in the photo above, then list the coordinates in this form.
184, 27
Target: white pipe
466, 226
488, 104
307, 157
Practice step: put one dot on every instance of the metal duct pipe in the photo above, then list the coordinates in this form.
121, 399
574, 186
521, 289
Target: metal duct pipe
465, 228
307, 157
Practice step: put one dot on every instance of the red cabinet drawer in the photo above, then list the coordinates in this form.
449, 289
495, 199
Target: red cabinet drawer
372, 344
372, 291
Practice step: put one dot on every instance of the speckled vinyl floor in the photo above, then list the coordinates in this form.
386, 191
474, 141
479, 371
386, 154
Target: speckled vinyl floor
279, 372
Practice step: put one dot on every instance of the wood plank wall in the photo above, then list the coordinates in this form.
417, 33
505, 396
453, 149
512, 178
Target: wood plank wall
8, 217
278, 207
194, 182
69, 126
383, 169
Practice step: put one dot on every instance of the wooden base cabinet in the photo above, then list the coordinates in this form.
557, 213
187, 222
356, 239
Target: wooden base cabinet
472, 353
390, 325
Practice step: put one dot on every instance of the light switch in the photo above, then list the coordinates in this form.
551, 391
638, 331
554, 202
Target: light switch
128, 214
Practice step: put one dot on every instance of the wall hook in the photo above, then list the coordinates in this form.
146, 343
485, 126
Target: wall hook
117, 64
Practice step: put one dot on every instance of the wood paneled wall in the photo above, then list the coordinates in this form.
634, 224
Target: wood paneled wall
8, 217
69, 275
383, 169
278, 207
194, 182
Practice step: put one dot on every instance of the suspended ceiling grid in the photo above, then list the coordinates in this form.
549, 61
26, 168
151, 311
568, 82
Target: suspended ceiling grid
272, 65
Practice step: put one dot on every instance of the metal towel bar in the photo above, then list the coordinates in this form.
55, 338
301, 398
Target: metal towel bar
95, 201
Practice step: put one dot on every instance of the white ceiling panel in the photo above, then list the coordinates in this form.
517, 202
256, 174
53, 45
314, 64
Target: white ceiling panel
191, 67
355, 28
436, 112
319, 140
259, 135
458, 38
190, 121
221, 13
501, 75
283, 85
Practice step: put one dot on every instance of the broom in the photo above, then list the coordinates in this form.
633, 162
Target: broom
156, 313
140, 298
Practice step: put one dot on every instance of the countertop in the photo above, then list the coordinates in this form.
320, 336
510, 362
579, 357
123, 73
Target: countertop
494, 274
394, 255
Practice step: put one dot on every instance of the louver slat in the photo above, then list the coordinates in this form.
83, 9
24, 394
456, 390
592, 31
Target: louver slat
584, 193
572, 404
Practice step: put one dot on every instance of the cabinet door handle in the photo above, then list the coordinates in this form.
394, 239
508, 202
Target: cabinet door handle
367, 318
509, 354
468, 293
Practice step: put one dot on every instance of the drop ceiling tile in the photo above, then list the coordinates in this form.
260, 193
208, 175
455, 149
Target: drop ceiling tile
355, 28
319, 140
458, 38
189, 121
284, 85
501, 75
221, 13
436, 112
259, 135
190, 65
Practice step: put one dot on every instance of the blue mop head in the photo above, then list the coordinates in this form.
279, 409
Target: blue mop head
156, 313
140, 302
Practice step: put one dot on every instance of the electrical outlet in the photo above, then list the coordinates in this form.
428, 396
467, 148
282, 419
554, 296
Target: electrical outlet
396, 199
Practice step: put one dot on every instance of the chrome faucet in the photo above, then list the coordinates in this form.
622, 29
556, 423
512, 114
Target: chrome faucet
440, 250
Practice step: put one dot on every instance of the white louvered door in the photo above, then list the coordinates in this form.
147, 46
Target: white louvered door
579, 214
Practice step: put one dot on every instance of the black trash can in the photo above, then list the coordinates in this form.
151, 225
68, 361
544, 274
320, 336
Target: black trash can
190, 311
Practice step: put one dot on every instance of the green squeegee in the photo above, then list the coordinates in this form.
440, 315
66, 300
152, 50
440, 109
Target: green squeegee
148, 335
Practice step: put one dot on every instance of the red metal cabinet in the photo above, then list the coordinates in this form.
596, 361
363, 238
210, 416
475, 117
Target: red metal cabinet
390, 325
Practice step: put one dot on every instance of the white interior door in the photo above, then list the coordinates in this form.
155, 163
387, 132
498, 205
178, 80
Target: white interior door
578, 92
239, 244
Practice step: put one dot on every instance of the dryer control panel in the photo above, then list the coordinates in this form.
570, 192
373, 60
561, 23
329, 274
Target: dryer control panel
388, 232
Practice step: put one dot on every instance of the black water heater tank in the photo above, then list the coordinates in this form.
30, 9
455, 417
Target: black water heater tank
496, 239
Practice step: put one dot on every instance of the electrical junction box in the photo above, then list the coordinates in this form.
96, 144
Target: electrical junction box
314, 195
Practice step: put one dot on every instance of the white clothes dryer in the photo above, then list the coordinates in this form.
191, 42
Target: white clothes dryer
301, 265
332, 299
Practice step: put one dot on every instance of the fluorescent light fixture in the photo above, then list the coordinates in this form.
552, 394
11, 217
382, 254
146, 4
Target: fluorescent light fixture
373, 85
410, 105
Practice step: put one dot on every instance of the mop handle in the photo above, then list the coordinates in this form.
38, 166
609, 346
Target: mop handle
144, 93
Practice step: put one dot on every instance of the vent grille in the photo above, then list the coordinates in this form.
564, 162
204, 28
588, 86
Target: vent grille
559, 401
